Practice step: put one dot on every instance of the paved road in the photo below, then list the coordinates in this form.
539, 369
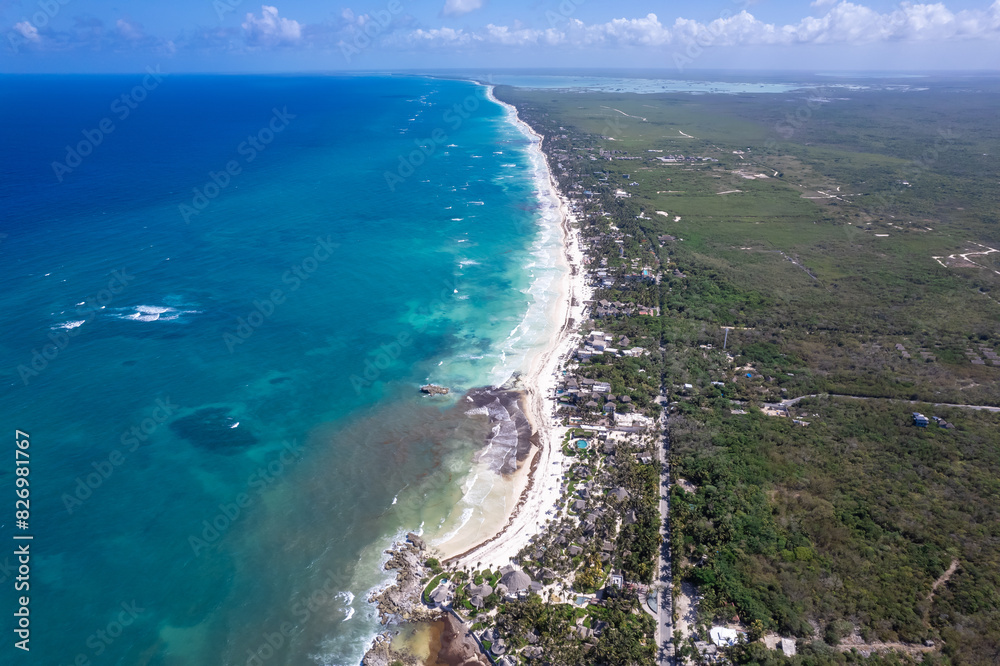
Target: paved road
665, 622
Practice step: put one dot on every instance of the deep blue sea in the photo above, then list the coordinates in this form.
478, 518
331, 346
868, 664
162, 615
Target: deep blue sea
220, 297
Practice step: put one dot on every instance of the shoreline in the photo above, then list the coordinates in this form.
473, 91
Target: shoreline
536, 491
536, 482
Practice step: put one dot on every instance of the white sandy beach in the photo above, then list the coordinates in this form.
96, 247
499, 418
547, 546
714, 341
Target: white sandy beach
533, 493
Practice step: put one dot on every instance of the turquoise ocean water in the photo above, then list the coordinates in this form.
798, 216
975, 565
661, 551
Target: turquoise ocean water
220, 296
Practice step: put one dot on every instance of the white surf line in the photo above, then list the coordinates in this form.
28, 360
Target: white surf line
625, 114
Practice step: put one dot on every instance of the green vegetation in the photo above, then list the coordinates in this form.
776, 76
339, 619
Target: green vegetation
823, 245
853, 517
431, 586
624, 630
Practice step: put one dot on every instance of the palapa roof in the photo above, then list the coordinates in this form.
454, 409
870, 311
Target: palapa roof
516, 581
483, 590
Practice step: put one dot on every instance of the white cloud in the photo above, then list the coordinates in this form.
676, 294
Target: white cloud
128, 30
647, 31
459, 7
443, 37
27, 31
501, 34
843, 23
270, 29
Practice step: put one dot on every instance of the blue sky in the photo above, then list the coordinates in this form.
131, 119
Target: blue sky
304, 35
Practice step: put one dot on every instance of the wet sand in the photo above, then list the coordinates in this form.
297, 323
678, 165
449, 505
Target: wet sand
520, 501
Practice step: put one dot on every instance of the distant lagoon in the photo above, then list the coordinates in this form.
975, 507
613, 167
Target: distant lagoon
641, 85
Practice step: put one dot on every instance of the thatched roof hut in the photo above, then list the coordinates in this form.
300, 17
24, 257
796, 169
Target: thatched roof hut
516, 581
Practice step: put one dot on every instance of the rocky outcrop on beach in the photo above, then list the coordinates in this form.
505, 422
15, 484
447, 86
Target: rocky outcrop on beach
433, 389
382, 654
451, 644
401, 601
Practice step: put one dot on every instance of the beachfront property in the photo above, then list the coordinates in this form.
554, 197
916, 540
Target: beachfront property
598, 547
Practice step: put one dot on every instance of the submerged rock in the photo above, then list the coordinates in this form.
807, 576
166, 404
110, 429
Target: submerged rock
382, 654
214, 428
432, 389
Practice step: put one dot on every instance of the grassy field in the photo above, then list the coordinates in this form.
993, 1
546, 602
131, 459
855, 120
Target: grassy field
827, 232
843, 267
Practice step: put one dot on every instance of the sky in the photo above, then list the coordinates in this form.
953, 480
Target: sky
86, 36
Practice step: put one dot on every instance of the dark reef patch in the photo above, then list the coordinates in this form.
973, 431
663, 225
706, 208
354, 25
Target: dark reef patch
214, 428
